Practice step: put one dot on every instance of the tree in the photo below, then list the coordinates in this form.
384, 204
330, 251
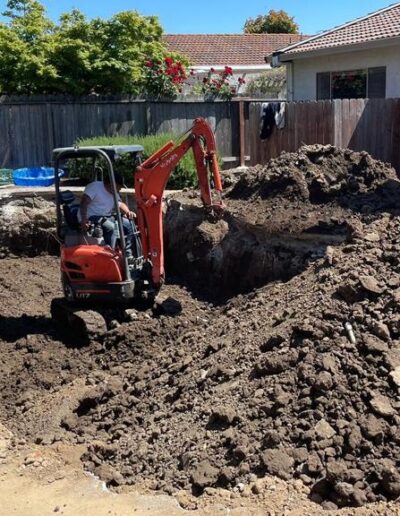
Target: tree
28, 20
76, 56
24, 46
275, 22
105, 56
269, 84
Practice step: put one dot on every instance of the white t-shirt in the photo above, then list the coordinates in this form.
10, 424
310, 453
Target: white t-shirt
102, 201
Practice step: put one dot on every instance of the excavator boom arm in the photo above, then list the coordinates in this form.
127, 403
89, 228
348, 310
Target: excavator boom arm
150, 181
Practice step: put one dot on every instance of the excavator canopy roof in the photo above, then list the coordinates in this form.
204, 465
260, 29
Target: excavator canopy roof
86, 152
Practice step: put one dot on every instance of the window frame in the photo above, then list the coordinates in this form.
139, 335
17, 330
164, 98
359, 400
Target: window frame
367, 72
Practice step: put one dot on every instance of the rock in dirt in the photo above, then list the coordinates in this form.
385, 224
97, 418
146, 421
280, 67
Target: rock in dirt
275, 362
370, 284
109, 474
278, 462
382, 405
204, 474
324, 430
390, 478
372, 427
375, 345
395, 376
223, 416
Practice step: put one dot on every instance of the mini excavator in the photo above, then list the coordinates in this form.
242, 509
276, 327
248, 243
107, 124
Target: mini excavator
94, 274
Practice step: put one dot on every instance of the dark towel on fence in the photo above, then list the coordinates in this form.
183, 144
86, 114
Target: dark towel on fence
267, 120
272, 114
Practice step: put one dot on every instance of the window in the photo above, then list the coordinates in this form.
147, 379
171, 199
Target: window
323, 86
377, 82
354, 84
349, 85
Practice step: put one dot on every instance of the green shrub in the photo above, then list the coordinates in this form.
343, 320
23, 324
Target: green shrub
184, 174
269, 84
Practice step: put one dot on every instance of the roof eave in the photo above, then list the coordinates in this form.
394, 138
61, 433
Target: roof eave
336, 29
282, 57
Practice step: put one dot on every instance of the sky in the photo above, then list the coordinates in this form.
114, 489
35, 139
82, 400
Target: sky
221, 16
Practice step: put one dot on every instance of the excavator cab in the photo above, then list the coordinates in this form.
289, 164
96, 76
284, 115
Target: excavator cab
90, 270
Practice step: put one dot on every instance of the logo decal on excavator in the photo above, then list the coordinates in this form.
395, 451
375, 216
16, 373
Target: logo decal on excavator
169, 160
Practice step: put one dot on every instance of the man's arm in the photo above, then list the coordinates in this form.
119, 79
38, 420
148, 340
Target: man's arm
85, 201
126, 211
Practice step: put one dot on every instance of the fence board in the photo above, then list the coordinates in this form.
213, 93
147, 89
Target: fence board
30, 127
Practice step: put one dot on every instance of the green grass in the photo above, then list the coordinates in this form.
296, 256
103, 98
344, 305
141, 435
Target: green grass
183, 176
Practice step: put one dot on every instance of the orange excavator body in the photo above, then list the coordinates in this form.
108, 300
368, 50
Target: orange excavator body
92, 271
91, 264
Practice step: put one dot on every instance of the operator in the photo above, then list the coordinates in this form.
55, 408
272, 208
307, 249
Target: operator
98, 203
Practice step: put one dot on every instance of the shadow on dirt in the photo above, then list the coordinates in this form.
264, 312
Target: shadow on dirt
14, 328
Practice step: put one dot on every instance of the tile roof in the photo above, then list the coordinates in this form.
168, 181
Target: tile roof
228, 49
379, 25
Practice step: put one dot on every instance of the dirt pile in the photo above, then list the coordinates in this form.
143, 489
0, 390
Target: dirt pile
298, 379
27, 226
276, 384
316, 173
280, 218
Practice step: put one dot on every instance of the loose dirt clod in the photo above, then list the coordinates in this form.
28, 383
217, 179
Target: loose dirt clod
247, 369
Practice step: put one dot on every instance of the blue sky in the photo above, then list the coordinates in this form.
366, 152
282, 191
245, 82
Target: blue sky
221, 16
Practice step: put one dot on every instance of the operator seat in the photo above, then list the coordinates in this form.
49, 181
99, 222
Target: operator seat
70, 208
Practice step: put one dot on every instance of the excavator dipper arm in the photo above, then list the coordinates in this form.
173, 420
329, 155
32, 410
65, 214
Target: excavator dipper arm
151, 178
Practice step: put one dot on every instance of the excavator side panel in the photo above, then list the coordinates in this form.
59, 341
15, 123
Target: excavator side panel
91, 263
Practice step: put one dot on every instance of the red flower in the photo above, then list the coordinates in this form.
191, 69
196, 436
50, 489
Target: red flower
149, 64
212, 70
228, 70
168, 61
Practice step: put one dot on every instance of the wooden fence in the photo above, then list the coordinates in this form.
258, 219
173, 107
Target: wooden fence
30, 127
359, 124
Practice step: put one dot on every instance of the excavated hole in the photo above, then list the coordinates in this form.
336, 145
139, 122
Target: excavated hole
215, 259
220, 259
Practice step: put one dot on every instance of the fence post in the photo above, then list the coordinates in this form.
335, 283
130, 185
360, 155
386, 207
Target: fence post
337, 122
242, 142
147, 111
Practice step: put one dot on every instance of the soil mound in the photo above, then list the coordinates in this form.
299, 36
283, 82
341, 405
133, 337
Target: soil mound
316, 173
296, 380
27, 226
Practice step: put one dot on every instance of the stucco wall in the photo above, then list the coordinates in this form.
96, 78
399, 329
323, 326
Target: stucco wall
304, 79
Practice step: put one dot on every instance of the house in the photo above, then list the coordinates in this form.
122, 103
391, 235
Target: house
360, 59
244, 53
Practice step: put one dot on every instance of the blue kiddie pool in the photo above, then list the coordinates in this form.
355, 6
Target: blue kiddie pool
38, 176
